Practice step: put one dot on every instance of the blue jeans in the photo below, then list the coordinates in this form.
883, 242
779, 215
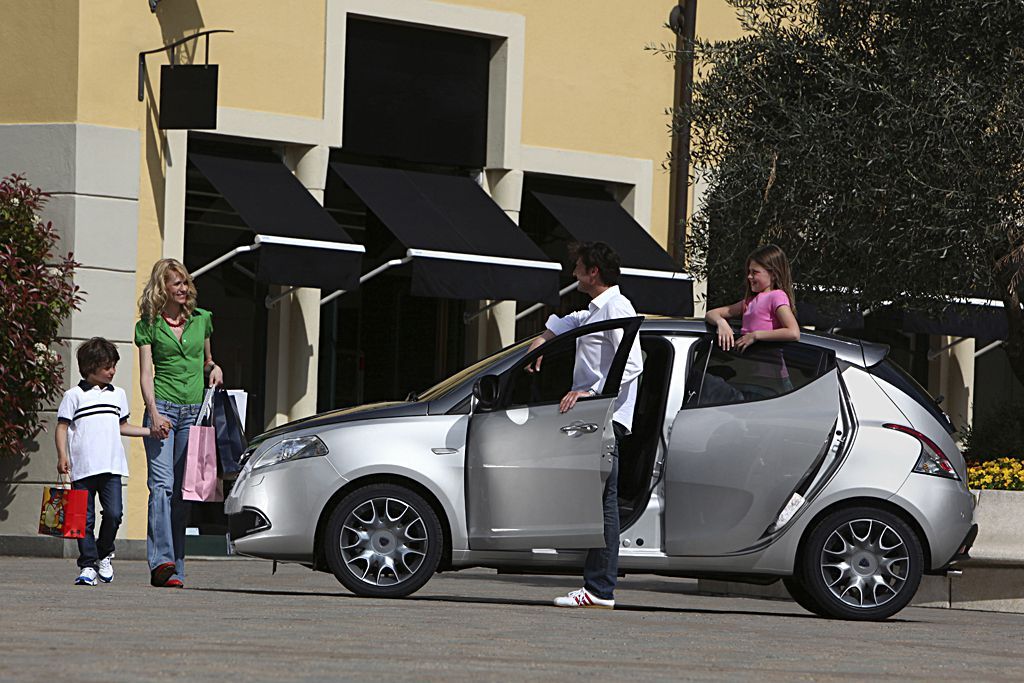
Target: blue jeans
601, 569
108, 486
168, 513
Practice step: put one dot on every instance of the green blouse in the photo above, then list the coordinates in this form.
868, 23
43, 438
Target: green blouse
177, 365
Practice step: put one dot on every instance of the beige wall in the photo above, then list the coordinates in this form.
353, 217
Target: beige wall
39, 54
589, 85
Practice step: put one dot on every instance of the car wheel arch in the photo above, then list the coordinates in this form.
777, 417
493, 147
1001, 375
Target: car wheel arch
319, 557
867, 501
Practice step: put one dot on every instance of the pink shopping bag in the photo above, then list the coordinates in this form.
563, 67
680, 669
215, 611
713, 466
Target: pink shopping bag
201, 483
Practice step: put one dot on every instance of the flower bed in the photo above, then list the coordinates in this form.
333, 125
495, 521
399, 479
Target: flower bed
1006, 474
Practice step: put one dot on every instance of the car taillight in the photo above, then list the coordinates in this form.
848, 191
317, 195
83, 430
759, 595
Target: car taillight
932, 460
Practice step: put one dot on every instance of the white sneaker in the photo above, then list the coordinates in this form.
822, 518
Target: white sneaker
106, 569
584, 598
87, 577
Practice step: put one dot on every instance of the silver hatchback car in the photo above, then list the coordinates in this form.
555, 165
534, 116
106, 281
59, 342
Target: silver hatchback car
817, 462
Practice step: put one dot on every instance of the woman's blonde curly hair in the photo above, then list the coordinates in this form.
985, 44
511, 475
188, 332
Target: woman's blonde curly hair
154, 294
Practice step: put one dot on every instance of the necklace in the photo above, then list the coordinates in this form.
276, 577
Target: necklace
178, 321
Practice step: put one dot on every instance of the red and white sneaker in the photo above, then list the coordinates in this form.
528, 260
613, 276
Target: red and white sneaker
583, 598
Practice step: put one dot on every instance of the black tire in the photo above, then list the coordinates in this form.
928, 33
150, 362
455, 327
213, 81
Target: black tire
800, 596
861, 564
383, 541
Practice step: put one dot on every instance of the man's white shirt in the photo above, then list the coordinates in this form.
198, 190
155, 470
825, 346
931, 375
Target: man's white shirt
595, 352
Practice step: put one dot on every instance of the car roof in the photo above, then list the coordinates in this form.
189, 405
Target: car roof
854, 351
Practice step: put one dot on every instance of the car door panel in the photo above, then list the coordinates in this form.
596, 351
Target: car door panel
731, 468
535, 476
534, 485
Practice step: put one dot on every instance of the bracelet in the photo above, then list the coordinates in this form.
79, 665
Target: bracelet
209, 364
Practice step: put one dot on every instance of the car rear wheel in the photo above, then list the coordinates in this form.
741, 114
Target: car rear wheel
862, 564
795, 587
383, 541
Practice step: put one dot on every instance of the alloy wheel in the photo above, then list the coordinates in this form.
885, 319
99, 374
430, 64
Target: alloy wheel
865, 563
383, 541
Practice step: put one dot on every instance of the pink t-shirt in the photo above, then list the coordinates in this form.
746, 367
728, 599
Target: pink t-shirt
759, 312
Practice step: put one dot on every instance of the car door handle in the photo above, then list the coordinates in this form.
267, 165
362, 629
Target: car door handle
579, 428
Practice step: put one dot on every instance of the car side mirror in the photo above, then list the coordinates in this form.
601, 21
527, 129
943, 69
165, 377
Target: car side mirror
485, 391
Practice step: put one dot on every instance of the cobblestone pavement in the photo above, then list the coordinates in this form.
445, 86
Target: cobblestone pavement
238, 620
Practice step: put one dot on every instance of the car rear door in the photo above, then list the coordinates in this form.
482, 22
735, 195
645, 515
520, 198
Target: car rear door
535, 476
753, 428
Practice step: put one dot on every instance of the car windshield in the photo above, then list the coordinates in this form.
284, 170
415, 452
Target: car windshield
446, 385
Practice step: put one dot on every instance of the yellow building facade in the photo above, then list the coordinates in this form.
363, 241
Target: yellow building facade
571, 94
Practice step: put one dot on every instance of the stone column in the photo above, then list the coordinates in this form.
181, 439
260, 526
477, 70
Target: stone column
496, 328
93, 174
951, 374
293, 326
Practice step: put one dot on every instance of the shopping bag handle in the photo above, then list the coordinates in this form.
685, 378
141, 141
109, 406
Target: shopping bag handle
63, 481
207, 408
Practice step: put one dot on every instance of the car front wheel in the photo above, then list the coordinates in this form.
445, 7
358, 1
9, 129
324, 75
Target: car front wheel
383, 541
862, 564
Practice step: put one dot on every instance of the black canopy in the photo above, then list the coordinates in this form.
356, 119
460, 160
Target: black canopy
462, 245
299, 243
650, 279
963, 317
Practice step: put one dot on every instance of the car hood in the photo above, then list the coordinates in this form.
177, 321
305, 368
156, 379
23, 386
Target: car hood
370, 411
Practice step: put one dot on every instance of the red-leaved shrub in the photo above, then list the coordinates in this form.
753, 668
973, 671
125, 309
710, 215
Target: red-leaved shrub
36, 294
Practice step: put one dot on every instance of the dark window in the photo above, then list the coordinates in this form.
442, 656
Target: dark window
416, 94
762, 371
553, 380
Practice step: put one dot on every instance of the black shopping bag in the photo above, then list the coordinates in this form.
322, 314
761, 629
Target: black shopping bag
231, 441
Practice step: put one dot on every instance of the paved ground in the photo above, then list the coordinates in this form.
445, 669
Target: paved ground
236, 619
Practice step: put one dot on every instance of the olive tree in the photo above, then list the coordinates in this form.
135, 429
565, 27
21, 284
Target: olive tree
879, 142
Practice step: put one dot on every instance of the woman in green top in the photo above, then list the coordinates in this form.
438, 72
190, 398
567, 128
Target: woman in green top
173, 337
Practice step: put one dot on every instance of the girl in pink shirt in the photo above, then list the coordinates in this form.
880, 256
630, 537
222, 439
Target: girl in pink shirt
768, 310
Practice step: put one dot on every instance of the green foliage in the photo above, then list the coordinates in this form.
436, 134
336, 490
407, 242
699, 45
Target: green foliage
879, 142
999, 434
36, 294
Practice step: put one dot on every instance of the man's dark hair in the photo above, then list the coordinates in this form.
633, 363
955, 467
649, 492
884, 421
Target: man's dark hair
95, 354
600, 255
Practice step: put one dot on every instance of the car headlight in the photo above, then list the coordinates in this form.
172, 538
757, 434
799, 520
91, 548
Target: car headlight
287, 450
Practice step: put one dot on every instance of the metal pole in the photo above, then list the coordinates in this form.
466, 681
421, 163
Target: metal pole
562, 292
376, 271
230, 255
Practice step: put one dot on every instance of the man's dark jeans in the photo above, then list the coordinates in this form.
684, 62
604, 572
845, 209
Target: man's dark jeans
90, 549
601, 570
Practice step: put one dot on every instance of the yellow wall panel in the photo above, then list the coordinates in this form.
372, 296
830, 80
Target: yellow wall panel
39, 54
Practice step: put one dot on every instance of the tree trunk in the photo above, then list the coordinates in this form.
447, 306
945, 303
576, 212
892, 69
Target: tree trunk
1015, 327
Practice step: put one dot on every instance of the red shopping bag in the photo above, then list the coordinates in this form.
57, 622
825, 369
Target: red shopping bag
63, 511
200, 483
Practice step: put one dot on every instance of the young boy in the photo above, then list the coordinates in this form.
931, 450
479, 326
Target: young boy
92, 418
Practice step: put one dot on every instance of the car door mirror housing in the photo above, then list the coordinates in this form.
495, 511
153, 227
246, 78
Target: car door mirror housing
485, 391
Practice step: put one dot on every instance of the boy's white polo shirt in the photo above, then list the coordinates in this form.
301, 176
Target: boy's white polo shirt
94, 415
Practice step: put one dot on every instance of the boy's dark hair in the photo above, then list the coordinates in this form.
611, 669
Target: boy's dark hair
94, 354
600, 255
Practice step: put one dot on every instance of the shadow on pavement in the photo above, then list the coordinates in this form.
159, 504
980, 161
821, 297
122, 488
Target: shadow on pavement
468, 600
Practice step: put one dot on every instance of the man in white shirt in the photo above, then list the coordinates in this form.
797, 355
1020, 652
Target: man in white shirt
597, 270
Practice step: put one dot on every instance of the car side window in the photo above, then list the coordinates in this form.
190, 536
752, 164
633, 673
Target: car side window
553, 380
555, 377
762, 371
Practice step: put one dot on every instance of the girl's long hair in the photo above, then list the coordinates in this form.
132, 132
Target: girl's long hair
154, 294
775, 262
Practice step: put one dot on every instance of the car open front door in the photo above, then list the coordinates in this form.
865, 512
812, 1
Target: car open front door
754, 428
535, 476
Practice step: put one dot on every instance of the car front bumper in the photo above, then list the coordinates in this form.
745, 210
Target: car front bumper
273, 512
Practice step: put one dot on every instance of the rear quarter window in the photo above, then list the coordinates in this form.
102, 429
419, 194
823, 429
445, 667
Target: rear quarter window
902, 380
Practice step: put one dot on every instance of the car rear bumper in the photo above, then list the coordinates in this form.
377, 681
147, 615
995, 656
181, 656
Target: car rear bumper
944, 509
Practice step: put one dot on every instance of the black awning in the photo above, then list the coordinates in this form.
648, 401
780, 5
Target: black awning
462, 245
299, 243
650, 279
963, 317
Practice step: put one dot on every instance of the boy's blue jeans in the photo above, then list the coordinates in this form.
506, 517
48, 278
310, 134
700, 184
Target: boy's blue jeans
601, 568
168, 513
90, 549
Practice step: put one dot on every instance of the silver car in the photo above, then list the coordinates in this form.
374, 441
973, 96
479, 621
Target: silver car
817, 462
